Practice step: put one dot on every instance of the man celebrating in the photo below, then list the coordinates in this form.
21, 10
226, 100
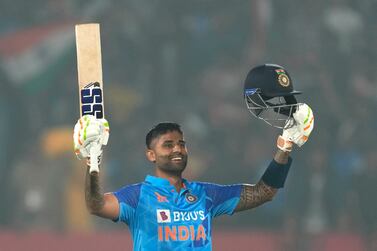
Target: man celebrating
168, 212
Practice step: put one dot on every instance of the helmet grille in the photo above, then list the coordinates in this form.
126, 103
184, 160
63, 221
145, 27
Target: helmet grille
276, 111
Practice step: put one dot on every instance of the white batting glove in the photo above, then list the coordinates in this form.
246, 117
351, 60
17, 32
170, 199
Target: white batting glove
90, 132
298, 129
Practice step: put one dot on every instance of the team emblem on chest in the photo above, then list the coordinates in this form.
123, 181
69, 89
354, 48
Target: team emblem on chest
190, 198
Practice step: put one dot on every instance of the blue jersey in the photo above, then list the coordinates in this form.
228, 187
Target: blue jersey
159, 218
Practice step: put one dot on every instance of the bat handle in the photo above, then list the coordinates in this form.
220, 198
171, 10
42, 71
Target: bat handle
94, 150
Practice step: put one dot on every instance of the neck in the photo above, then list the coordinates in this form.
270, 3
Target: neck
174, 178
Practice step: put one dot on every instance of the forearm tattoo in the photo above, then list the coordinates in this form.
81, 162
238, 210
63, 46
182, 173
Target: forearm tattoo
255, 195
93, 194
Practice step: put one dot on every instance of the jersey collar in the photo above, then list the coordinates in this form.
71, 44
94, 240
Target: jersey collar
161, 182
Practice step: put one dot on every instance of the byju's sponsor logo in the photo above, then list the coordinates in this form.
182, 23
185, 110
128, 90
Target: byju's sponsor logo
163, 216
188, 216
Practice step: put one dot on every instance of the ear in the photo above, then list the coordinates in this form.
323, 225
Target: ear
151, 156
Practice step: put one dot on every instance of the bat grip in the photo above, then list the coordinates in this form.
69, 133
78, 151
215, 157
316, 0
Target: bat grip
94, 150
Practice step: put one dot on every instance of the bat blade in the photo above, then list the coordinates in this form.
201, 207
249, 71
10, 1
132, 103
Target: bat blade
89, 68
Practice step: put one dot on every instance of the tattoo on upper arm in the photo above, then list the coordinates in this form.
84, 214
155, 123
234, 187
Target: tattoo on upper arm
93, 195
255, 195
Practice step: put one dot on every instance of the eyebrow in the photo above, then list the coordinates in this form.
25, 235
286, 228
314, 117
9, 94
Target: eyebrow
171, 141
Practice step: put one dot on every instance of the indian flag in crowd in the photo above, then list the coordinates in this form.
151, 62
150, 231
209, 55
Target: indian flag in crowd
33, 57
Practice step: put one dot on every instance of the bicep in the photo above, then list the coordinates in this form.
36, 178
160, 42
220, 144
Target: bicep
110, 209
254, 195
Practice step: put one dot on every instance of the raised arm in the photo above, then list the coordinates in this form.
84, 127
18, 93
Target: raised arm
255, 195
89, 133
98, 203
296, 132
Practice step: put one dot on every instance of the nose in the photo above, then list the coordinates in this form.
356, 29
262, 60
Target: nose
177, 148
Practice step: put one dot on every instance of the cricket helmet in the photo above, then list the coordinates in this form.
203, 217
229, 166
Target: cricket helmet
269, 95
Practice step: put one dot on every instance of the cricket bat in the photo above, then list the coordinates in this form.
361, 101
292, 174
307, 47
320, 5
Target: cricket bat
89, 68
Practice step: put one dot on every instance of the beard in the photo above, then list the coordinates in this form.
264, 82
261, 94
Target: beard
167, 164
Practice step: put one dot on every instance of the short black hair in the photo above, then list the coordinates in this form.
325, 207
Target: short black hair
160, 129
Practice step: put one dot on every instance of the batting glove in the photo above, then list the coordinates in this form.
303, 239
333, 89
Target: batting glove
298, 128
90, 132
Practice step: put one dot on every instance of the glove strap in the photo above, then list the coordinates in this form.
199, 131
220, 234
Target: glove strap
284, 144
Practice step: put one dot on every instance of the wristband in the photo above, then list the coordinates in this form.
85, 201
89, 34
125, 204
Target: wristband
276, 174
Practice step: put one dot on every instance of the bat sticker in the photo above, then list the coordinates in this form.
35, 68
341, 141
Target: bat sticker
91, 100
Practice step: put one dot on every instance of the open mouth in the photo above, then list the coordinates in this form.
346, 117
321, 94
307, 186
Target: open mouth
177, 159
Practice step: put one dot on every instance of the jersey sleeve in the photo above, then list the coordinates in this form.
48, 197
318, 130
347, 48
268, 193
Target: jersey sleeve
128, 199
222, 199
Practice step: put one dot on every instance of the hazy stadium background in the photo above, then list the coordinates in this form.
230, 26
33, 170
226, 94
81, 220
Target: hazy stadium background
185, 61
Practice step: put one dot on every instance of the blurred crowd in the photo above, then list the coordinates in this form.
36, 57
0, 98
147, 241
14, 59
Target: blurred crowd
185, 61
